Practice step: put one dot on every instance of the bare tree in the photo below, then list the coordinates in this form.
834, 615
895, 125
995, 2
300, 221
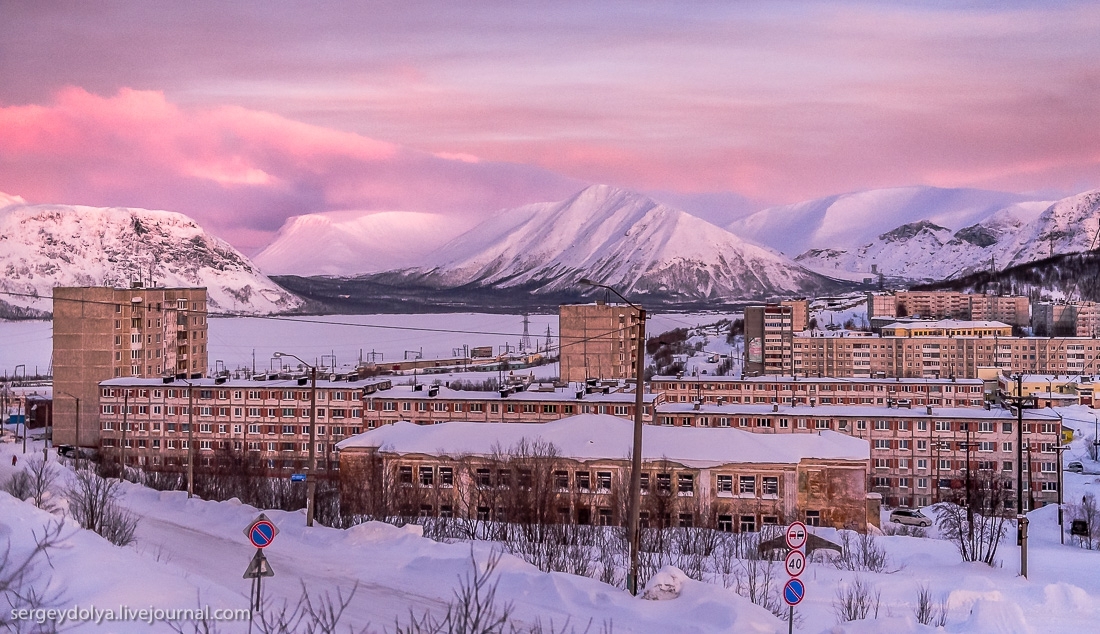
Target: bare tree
93, 504
862, 551
978, 530
1087, 511
25, 580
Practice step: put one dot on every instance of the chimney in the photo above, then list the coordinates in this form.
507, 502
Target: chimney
696, 404
929, 410
775, 406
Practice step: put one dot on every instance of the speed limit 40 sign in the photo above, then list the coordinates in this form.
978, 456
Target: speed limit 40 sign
795, 563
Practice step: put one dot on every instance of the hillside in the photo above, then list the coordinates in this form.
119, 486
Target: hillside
43, 246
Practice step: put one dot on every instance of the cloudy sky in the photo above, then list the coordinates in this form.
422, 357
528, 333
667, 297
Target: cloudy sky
242, 114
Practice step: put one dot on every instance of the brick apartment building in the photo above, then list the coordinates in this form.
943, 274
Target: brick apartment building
598, 341
786, 390
101, 333
726, 479
918, 454
1010, 309
264, 419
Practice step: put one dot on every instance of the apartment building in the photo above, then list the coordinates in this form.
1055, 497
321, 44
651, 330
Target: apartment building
577, 470
430, 404
947, 328
1067, 319
769, 332
786, 390
146, 421
918, 454
1011, 309
849, 354
598, 341
101, 333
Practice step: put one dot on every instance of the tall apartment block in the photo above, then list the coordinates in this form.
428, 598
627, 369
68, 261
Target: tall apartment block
101, 333
598, 341
1067, 319
769, 332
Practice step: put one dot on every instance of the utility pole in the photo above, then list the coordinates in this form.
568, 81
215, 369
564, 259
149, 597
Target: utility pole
1018, 401
190, 439
311, 477
122, 445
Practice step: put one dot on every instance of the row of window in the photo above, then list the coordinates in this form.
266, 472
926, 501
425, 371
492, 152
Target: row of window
253, 395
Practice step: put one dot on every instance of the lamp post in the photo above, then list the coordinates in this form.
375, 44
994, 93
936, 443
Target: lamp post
190, 434
311, 481
636, 465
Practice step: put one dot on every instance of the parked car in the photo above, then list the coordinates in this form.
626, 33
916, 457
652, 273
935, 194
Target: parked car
910, 517
1075, 467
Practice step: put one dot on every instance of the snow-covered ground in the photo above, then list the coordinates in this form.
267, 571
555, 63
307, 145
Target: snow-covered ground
191, 552
234, 340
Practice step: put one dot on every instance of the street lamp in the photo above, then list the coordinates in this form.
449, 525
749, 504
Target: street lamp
311, 481
636, 465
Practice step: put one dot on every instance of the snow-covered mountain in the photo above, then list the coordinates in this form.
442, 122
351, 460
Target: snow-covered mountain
42, 246
1019, 233
616, 237
851, 220
356, 242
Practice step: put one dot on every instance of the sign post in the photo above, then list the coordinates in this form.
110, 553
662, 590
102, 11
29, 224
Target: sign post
795, 564
260, 533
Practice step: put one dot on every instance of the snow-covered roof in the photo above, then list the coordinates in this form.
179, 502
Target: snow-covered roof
597, 436
559, 394
947, 324
856, 411
774, 378
245, 384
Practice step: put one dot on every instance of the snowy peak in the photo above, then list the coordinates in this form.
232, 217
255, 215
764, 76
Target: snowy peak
617, 237
1069, 225
42, 246
356, 242
912, 230
850, 220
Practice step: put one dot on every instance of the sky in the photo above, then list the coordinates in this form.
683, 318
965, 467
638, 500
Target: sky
243, 114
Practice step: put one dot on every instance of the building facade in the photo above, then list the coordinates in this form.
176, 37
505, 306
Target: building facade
769, 332
786, 390
919, 455
430, 404
1067, 319
598, 341
577, 470
101, 333
1010, 309
145, 422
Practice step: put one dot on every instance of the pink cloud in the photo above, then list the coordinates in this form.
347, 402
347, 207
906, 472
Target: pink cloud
239, 171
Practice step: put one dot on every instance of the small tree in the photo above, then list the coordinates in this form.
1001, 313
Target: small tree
93, 503
929, 611
978, 521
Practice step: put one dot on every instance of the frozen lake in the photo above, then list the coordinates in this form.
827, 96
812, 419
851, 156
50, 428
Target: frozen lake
236, 342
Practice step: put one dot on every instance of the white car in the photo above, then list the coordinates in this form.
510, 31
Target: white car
910, 517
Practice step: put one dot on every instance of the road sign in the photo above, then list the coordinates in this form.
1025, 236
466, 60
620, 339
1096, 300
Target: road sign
796, 563
259, 567
793, 592
796, 535
261, 532
297, 477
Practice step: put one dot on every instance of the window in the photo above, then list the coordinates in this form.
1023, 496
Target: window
446, 477
664, 483
404, 475
725, 523
770, 485
725, 484
603, 481
747, 524
813, 518
481, 477
747, 485
643, 481
427, 476
1048, 467
882, 444
561, 480
583, 479
685, 484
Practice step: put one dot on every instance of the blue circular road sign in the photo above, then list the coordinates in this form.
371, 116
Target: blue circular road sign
793, 592
262, 534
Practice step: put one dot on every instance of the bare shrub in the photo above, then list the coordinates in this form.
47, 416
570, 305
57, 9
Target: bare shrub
928, 610
903, 530
1088, 511
320, 613
862, 553
25, 581
856, 601
19, 485
758, 579
93, 504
